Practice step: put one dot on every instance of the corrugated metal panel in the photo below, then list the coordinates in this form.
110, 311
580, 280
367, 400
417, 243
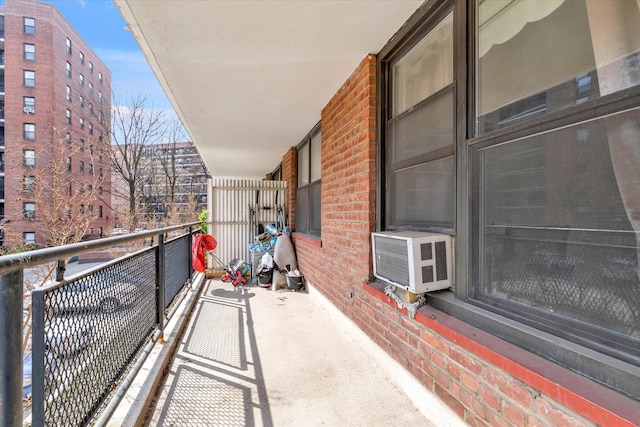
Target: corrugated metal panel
236, 206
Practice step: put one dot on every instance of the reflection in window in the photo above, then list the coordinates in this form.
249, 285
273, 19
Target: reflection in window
560, 53
559, 221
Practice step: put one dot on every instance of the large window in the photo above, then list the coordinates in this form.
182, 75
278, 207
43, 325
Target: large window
309, 179
29, 104
419, 132
29, 25
29, 131
29, 157
29, 210
29, 52
556, 205
29, 78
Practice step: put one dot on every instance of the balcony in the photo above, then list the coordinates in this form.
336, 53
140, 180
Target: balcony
102, 339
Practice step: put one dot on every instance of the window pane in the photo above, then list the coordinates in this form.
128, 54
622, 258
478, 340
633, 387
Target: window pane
425, 69
423, 195
303, 165
560, 225
315, 204
316, 158
535, 60
302, 209
425, 129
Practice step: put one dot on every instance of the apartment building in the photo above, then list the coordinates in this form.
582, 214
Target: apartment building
54, 90
173, 177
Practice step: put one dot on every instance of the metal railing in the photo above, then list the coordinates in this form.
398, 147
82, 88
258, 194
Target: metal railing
88, 329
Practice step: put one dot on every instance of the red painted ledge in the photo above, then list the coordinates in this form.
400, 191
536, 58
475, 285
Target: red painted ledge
589, 399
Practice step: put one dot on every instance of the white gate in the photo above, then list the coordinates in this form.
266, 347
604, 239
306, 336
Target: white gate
241, 208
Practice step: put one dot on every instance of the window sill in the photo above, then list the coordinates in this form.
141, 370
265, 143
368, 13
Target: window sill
585, 396
307, 238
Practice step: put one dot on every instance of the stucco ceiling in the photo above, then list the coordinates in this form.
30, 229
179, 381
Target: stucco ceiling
249, 78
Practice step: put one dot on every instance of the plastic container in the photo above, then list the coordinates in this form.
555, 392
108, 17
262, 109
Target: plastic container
265, 277
295, 283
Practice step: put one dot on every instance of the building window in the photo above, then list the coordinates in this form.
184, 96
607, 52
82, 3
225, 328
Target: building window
90, 67
100, 192
100, 211
28, 183
29, 78
90, 87
100, 136
91, 168
420, 137
91, 149
29, 104
29, 237
29, 131
91, 107
100, 76
100, 116
29, 209
68, 139
90, 125
81, 101
100, 97
81, 57
81, 123
68, 69
68, 161
309, 183
29, 157
69, 93
29, 25
81, 145
81, 77
29, 52
69, 51
68, 116
81, 166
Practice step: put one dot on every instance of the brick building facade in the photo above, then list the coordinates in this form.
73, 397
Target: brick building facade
486, 379
57, 102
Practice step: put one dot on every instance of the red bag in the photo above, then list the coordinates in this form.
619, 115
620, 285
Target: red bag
201, 244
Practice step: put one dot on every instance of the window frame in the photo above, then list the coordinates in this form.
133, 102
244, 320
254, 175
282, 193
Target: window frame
29, 82
28, 55
29, 28
69, 46
307, 211
458, 301
28, 105
29, 131
29, 210
26, 158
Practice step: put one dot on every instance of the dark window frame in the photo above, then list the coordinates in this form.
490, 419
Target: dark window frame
305, 209
28, 56
459, 301
28, 28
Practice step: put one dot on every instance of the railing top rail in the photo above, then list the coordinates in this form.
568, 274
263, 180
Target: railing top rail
13, 262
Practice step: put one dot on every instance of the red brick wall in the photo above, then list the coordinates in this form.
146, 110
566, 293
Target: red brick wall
483, 379
50, 37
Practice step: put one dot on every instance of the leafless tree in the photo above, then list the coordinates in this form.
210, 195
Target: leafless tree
136, 125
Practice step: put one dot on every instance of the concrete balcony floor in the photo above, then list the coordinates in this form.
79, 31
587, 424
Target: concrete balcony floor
255, 357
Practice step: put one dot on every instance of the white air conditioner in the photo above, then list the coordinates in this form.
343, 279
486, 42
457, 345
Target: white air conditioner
418, 262
29, 110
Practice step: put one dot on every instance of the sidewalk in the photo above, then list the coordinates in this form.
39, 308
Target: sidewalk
254, 357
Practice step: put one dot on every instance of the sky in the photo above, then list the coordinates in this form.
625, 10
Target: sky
101, 26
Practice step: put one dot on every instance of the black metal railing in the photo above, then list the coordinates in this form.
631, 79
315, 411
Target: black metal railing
89, 329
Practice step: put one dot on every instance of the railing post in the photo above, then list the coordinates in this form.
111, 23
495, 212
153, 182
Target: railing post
190, 252
11, 349
160, 282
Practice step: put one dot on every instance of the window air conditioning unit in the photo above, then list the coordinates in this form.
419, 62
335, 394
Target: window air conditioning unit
418, 262
28, 110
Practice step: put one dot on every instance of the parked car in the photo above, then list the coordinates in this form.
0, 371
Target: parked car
104, 292
67, 335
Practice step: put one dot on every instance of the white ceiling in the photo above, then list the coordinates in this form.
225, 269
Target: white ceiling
250, 78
